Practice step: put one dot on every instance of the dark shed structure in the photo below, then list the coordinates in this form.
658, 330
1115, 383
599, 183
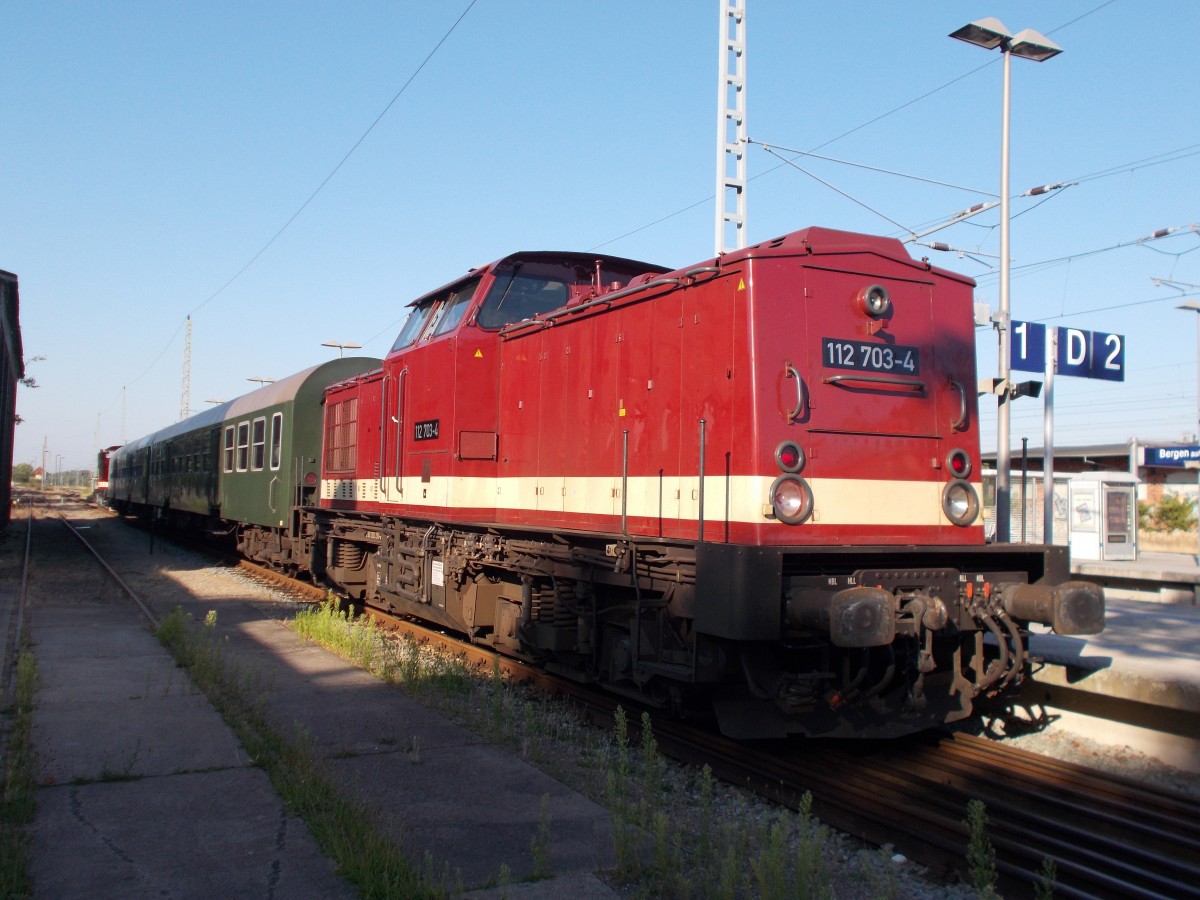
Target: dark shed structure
12, 370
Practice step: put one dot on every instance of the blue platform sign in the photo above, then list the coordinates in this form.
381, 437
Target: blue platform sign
1177, 457
1091, 354
1074, 352
1027, 347
1083, 354
1108, 356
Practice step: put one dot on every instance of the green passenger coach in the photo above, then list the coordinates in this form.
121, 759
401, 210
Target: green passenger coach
247, 462
271, 451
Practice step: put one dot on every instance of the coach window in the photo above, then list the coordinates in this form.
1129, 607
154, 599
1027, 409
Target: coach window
276, 439
228, 448
258, 444
243, 446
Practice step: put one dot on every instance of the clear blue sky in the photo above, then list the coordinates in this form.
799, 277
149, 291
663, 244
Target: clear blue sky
152, 150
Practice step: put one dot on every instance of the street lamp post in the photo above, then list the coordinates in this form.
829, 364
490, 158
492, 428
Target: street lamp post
990, 33
1193, 306
262, 381
341, 348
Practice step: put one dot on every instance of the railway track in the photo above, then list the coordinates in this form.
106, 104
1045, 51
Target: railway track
1109, 837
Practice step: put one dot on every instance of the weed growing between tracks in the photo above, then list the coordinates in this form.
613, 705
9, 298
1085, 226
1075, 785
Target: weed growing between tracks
351, 834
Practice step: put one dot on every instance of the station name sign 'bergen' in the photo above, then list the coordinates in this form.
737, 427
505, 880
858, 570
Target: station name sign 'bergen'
1179, 457
1084, 354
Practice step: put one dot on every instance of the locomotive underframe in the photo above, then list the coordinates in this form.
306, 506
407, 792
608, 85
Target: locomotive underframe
837, 642
859, 641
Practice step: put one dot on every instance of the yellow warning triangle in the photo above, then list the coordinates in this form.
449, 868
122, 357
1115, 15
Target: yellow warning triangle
741, 284
479, 354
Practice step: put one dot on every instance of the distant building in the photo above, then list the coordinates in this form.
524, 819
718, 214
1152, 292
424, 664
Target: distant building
1161, 466
1097, 489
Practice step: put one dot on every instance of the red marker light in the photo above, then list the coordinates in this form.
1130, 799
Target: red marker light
789, 457
959, 463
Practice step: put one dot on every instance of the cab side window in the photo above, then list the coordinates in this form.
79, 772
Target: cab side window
414, 325
454, 307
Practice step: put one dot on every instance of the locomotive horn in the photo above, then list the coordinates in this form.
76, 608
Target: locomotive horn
854, 617
1073, 607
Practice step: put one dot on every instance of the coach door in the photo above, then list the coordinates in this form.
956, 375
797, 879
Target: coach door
212, 465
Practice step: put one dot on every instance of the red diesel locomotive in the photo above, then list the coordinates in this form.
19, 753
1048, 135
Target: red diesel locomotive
751, 484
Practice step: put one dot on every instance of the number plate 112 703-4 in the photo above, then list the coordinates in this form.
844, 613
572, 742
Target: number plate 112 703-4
864, 357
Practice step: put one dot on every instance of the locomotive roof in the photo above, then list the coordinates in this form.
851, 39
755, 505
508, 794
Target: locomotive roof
575, 256
818, 241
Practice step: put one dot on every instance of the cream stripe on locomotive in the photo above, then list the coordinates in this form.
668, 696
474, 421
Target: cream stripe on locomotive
837, 501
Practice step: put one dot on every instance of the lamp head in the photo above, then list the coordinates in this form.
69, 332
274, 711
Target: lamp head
1030, 44
987, 33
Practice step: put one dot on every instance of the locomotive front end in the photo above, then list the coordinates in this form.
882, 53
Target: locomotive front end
868, 602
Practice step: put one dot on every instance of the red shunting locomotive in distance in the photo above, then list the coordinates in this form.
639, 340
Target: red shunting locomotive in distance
751, 484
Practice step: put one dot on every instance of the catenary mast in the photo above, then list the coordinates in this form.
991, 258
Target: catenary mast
731, 129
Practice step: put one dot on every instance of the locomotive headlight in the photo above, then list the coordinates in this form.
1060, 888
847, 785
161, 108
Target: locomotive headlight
960, 502
791, 499
875, 301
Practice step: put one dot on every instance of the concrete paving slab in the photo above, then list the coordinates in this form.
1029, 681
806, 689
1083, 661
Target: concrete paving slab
341, 708
470, 804
216, 834
112, 703
577, 887
133, 738
479, 808
364, 720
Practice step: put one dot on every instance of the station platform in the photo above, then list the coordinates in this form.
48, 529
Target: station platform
144, 791
1172, 578
1143, 670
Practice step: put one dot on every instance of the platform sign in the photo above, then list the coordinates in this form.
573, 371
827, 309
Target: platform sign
1027, 347
1108, 356
1091, 354
1178, 457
